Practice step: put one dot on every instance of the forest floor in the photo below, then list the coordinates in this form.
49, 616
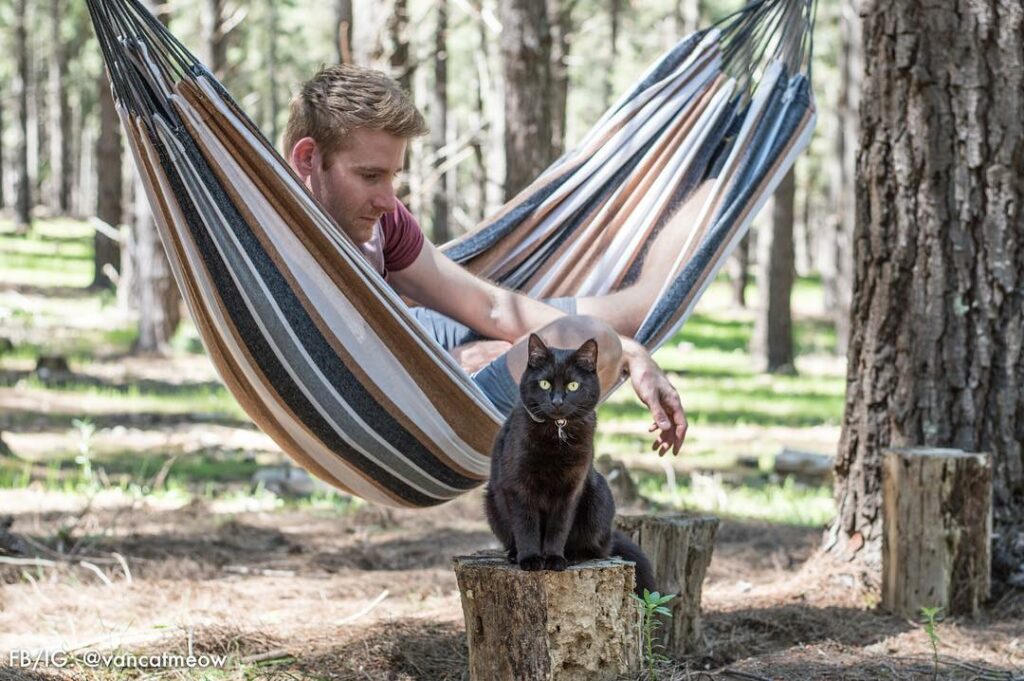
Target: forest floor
136, 524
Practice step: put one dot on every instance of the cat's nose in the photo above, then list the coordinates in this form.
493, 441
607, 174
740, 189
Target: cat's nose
556, 400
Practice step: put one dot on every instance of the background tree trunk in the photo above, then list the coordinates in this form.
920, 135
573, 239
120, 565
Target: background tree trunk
439, 124
938, 299
154, 293
739, 270
526, 58
343, 31
837, 264
685, 17
773, 332
109, 208
614, 22
23, 182
215, 43
560, 16
60, 114
3, 158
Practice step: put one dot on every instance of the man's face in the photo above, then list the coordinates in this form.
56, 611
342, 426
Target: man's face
358, 184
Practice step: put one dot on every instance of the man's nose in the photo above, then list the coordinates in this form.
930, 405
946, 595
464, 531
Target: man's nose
385, 201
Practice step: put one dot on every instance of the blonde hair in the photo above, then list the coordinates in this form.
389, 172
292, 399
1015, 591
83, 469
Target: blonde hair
343, 98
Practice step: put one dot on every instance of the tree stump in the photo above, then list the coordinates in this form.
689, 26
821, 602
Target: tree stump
576, 625
679, 547
937, 529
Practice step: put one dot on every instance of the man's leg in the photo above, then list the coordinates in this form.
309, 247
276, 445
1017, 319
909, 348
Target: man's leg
625, 310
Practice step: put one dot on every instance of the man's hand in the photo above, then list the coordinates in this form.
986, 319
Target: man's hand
654, 390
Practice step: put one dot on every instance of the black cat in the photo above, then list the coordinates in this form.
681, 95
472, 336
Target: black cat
544, 501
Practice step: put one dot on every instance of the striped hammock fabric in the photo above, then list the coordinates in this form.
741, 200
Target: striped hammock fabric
325, 357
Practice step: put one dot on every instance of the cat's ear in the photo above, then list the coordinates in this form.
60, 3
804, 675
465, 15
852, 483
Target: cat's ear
539, 354
586, 356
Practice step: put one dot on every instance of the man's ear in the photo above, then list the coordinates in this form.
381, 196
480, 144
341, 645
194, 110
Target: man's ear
304, 157
538, 352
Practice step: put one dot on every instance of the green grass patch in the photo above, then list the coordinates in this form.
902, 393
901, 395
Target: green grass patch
789, 503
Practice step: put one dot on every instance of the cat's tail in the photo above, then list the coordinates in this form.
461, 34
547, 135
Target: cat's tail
626, 548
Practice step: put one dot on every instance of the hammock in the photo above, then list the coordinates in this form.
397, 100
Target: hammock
324, 356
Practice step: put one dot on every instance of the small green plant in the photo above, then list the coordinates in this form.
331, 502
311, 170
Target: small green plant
931, 618
650, 605
86, 430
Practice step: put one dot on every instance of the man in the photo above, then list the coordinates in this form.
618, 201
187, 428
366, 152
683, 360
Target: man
346, 138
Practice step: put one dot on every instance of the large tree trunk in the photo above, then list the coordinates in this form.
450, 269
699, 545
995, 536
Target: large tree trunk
526, 57
60, 113
938, 300
773, 332
23, 182
439, 124
109, 207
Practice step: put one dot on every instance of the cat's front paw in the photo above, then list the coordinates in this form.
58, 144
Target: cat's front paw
532, 563
513, 556
556, 563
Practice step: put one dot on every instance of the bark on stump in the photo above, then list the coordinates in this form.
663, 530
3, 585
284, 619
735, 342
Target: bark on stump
679, 547
580, 624
937, 529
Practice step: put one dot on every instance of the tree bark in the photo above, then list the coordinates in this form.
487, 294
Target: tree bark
938, 531
439, 124
614, 21
938, 299
402, 65
22, 179
343, 31
153, 290
773, 332
109, 207
214, 38
273, 104
3, 158
837, 268
685, 17
560, 16
580, 624
679, 547
739, 270
526, 57
60, 113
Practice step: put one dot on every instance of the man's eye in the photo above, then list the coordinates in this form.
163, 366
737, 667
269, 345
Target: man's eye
545, 385
573, 386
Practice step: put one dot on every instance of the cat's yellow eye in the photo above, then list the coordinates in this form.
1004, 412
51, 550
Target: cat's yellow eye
545, 385
573, 386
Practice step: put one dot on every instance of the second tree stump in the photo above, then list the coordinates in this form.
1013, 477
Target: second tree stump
679, 547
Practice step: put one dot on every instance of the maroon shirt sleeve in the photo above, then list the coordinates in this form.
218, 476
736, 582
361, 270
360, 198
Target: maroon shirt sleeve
403, 238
